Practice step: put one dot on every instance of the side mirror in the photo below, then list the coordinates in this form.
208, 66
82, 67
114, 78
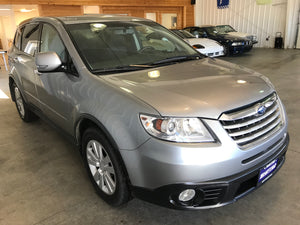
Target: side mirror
47, 61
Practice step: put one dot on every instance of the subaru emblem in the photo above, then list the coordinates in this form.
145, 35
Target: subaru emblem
261, 110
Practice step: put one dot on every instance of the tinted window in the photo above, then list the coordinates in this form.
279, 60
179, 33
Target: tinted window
30, 38
51, 41
198, 32
225, 29
18, 36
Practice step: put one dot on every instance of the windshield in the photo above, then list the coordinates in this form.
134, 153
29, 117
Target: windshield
105, 46
183, 34
218, 30
225, 29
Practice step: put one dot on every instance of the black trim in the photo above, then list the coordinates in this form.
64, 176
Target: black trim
213, 193
98, 124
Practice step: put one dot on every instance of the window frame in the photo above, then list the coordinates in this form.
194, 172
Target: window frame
19, 32
22, 29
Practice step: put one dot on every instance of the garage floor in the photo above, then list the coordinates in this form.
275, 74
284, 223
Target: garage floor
43, 181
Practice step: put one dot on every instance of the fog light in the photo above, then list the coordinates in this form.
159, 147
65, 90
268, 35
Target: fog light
187, 195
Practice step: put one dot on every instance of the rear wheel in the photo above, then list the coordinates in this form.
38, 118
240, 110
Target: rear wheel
105, 168
23, 110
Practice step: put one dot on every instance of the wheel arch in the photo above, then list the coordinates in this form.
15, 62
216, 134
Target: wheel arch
86, 121
12, 93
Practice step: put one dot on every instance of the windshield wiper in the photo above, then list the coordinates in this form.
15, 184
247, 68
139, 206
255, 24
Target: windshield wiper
120, 69
176, 59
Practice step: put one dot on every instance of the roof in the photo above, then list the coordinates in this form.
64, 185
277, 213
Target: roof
87, 18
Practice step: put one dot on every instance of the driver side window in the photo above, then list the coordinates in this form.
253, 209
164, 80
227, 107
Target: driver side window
51, 41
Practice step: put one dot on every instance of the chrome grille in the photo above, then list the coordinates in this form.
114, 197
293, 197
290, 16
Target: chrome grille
256, 122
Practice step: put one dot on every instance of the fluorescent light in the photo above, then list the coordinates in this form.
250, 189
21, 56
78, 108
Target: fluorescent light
25, 10
3, 95
4, 9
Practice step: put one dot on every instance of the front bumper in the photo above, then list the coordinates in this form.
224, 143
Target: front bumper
240, 49
213, 193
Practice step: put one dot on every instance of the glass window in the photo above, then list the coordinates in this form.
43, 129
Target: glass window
18, 36
30, 38
223, 29
199, 33
111, 45
169, 20
51, 41
151, 16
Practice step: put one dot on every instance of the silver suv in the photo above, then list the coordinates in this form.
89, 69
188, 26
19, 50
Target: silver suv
152, 117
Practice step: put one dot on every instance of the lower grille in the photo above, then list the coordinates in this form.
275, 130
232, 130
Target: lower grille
210, 195
256, 122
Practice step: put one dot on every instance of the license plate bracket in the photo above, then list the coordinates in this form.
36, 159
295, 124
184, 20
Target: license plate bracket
267, 171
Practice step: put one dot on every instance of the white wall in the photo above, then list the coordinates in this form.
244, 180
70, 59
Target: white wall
246, 16
292, 21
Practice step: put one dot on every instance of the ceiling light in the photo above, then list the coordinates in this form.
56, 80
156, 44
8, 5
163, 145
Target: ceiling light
25, 10
4, 9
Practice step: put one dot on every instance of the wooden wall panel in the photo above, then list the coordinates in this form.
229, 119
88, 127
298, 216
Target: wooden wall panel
139, 11
100, 2
136, 8
190, 16
60, 10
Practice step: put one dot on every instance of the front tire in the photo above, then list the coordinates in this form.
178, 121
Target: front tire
24, 112
104, 168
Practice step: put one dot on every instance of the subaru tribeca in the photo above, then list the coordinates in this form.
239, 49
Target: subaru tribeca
152, 117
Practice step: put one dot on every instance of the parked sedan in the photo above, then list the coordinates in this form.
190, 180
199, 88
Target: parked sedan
205, 46
232, 44
151, 116
231, 31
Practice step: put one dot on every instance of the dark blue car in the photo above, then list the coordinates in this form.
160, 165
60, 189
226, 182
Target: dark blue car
232, 44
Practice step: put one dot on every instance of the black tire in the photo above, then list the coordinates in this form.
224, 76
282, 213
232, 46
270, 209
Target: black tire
24, 112
227, 50
108, 170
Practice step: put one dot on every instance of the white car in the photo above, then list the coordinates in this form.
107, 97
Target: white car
205, 46
230, 30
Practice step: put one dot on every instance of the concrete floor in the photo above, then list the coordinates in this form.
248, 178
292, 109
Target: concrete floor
43, 181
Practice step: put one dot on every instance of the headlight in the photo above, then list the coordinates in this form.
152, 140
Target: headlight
237, 43
176, 129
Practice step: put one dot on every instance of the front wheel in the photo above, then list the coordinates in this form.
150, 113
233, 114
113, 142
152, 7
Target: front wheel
104, 168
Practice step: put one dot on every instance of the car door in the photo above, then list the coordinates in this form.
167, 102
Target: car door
22, 60
55, 88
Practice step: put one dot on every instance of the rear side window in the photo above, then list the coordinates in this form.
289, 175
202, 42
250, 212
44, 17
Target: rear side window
18, 36
30, 39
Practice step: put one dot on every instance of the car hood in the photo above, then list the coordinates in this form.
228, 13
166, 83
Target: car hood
232, 37
203, 41
199, 88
